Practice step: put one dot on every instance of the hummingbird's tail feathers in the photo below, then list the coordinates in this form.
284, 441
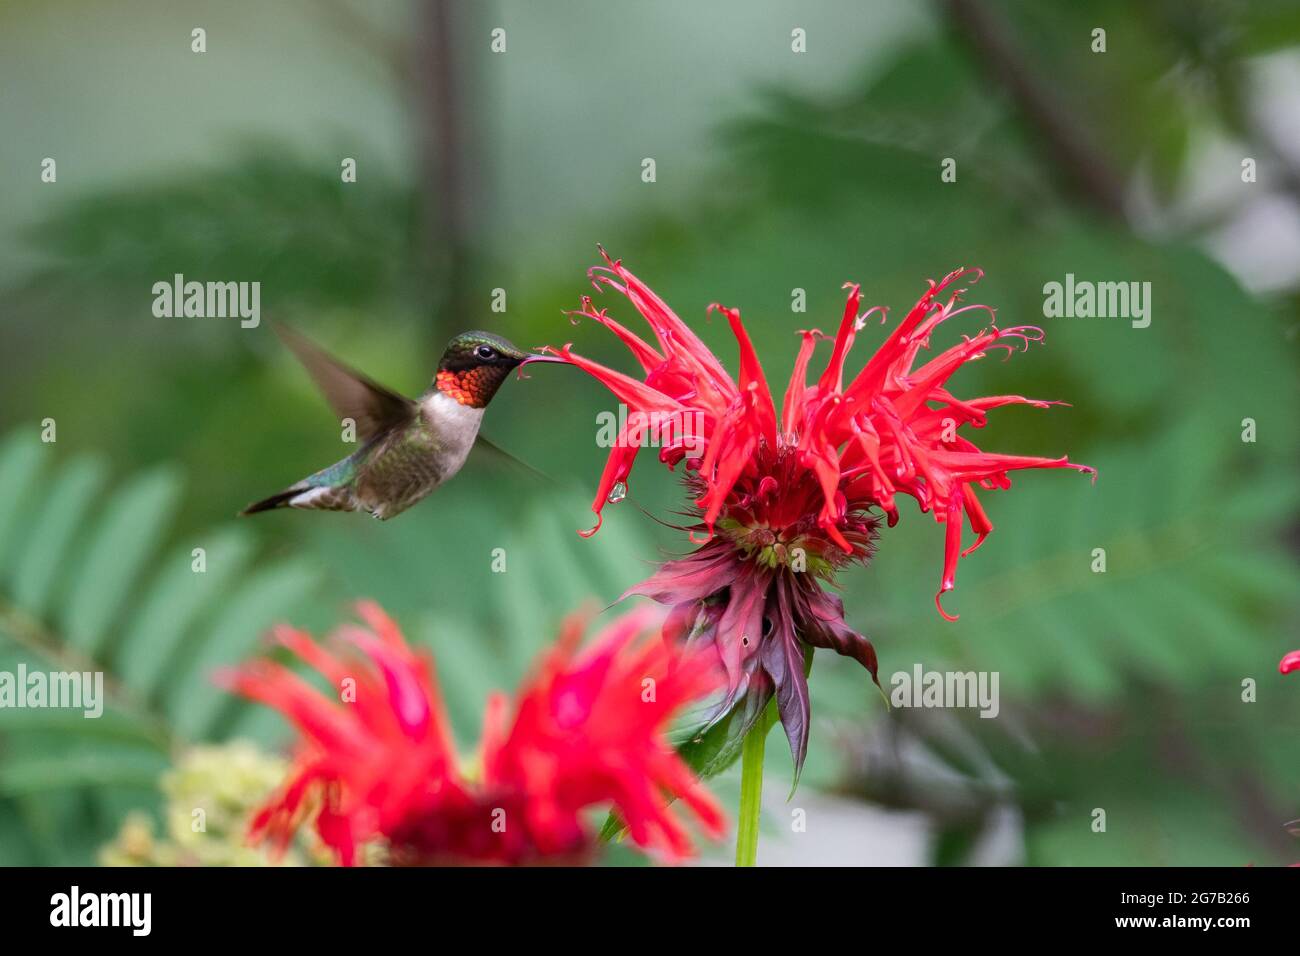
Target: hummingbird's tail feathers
304, 495
282, 500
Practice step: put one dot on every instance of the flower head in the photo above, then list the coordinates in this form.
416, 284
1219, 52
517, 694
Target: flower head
586, 730
782, 494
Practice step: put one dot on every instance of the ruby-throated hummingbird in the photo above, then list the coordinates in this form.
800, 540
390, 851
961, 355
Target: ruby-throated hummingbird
408, 448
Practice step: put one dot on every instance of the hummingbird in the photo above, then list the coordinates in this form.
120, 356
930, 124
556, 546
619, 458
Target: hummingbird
407, 447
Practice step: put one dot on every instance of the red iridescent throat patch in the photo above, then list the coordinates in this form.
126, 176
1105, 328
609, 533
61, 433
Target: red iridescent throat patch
473, 387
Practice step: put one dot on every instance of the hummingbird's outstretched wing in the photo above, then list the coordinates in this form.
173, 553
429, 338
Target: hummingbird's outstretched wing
374, 407
489, 450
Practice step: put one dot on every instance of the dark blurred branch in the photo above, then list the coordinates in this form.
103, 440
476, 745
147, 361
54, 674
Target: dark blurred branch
1206, 40
1065, 140
430, 68
907, 763
448, 156
361, 30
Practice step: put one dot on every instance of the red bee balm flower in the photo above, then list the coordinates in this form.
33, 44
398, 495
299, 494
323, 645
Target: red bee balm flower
1289, 663
586, 730
781, 495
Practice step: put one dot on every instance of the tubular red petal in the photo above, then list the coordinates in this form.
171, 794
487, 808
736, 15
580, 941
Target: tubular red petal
618, 467
967, 466
951, 553
383, 625
313, 713
633, 393
647, 357
408, 690
792, 407
979, 521
674, 334
873, 373
832, 379
922, 384
301, 644
751, 376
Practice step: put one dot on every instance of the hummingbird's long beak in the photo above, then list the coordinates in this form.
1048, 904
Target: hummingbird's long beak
543, 358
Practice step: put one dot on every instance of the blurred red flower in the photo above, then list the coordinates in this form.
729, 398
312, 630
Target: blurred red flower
1290, 663
585, 730
780, 495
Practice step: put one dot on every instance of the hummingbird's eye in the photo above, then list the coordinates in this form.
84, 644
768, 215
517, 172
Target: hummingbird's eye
485, 352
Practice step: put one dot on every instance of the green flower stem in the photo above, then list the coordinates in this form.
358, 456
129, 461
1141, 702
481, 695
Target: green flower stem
751, 787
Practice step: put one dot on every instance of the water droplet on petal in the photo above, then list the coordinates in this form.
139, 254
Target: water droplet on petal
617, 493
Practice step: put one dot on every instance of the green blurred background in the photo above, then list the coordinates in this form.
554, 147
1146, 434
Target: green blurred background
775, 170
